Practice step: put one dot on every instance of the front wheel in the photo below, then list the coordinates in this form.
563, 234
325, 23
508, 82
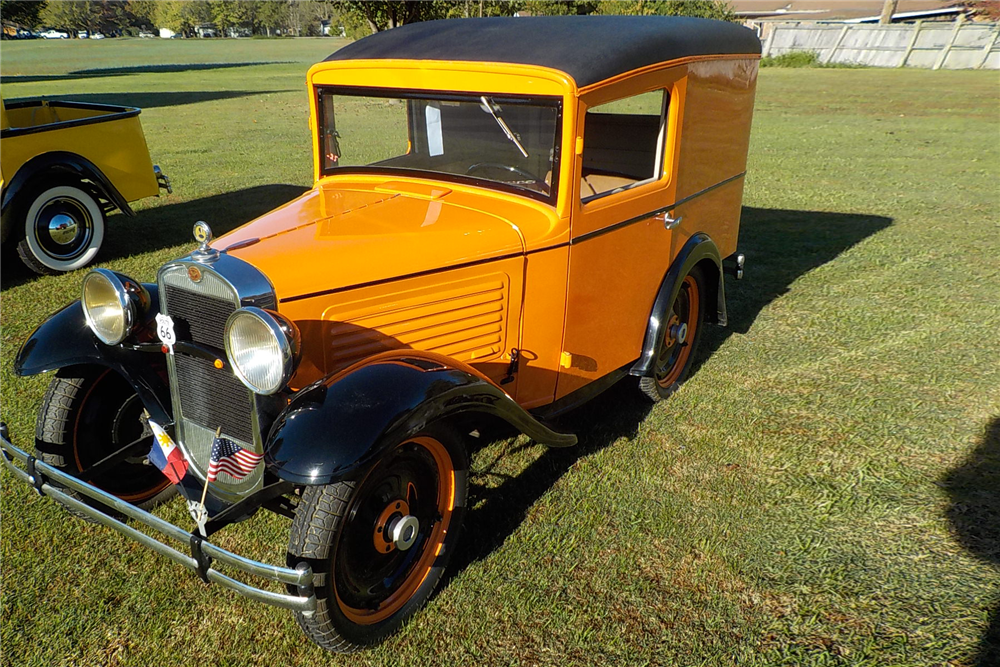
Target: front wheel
63, 228
88, 414
379, 545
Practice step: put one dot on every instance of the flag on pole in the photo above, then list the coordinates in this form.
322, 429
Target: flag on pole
166, 455
230, 458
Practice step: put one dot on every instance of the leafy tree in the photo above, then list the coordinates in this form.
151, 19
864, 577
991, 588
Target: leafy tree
704, 8
22, 13
182, 16
228, 14
73, 16
383, 15
143, 13
480, 8
271, 16
556, 7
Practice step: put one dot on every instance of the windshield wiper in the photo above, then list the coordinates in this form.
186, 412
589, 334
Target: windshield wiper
489, 106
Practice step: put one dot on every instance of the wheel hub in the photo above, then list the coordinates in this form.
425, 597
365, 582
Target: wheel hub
679, 332
403, 531
676, 331
395, 528
62, 229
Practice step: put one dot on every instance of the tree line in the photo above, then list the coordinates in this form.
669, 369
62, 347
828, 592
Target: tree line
304, 17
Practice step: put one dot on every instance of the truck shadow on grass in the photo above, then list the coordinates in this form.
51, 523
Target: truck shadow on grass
780, 246
165, 226
974, 489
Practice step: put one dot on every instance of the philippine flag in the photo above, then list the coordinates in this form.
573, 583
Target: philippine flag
166, 455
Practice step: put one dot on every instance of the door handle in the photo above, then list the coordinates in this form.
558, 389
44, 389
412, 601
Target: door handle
668, 222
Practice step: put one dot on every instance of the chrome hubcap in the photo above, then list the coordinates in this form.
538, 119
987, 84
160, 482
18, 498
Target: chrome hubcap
63, 229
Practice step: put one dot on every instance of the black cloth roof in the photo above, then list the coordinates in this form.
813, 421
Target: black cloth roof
588, 48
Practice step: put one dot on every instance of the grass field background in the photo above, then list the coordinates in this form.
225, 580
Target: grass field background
823, 491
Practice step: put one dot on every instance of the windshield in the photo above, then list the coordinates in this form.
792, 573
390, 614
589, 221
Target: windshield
486, 139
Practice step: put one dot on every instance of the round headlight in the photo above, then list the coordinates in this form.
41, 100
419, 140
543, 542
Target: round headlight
112, 304
262, 347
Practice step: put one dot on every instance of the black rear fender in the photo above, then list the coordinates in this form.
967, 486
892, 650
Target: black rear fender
699, 250
340, 425
62, 163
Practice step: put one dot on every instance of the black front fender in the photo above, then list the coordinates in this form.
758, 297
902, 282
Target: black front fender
65, 340
338, 426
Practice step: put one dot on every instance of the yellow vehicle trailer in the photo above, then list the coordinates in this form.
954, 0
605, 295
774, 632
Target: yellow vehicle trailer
65, 166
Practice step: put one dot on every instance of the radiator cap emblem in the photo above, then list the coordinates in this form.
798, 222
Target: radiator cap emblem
203, 235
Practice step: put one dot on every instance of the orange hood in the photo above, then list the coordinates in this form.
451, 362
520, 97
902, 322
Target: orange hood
335, 238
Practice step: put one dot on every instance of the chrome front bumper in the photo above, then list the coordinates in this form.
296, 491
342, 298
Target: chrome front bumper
203, 554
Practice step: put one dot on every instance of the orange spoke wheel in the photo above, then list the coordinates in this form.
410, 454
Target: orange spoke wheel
383, 541
679, 339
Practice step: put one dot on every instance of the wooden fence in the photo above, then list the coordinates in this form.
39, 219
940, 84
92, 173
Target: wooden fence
927, 44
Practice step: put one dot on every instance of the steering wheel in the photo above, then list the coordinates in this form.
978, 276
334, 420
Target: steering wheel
503, 167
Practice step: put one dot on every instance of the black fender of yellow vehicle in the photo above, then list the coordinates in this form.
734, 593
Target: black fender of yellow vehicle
338, 426
62, 163
65, 340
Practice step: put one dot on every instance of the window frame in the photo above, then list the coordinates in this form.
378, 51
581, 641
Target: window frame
553, 101
661, 143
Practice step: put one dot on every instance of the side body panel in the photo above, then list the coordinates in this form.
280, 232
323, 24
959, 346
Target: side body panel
621, 248
116, 146
713, 154
470, 314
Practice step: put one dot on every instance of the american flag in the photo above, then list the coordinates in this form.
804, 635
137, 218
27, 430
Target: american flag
230, 458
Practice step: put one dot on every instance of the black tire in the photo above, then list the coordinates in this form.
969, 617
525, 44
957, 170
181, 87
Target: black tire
60, 226
87, 414
338, 527
674, 357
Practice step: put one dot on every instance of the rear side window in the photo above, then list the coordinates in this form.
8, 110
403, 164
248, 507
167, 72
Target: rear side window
623, 143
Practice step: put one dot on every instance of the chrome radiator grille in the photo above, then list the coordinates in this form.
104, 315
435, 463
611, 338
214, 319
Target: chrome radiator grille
211, 396
206, 398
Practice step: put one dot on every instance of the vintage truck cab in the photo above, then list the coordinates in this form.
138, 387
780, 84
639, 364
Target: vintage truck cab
508, 216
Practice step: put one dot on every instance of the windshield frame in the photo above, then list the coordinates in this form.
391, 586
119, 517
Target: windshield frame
554, 101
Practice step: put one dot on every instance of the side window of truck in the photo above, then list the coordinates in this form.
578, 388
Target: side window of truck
623, 143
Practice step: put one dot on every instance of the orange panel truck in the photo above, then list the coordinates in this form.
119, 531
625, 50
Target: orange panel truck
508, 217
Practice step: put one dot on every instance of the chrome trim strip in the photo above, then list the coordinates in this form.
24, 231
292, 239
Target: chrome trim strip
647, 216
302, 576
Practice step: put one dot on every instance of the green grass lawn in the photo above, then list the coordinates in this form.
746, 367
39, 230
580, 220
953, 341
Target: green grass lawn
823, 491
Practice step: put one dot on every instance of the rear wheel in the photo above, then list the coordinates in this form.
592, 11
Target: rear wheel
681, 334
88, 414
63, 227
379, 545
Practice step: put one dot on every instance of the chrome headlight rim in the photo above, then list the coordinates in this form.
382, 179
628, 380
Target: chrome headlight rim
132, 299
285, 335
